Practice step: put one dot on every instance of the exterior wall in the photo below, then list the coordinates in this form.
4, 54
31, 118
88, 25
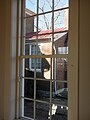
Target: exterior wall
29, 24
61, 69
46, 49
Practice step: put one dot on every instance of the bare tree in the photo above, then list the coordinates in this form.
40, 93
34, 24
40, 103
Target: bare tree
46, 21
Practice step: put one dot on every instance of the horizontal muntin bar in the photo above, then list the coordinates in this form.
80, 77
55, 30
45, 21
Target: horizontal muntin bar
44, 102
25, 98
30, 99
50, 103
60, 9
49, 80
44, 56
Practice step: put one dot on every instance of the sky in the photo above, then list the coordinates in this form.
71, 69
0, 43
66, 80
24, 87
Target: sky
46, 5
31, 4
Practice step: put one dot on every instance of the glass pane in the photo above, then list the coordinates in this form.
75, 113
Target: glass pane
43, 90
30, 27
61, 69
44, 47
60, 4
43, 70
28, 108
45, 22
60, 45
45, 5
29, 88
42, 66
42, 111
61, 19
60, 93
31, 5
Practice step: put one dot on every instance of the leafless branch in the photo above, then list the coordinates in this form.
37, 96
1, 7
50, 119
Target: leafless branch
49, 3
57, 3
31, 2
55, 19
45, 19
48, 24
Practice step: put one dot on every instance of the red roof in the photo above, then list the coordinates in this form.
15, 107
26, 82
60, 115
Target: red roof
43, 34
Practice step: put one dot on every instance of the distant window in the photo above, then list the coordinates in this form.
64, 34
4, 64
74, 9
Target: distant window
35, 63
62, 50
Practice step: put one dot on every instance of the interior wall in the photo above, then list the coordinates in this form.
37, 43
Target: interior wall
7, 59
2, 52
84, 60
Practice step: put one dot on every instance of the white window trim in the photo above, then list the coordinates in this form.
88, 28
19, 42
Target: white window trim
37, 70
73, 61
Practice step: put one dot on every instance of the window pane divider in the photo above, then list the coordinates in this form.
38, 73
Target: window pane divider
40, 101
60, 9
40, 79
44, 56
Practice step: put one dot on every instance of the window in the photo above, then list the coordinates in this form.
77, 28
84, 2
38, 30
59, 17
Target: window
44, 95
32, 60
63, 50
44, 85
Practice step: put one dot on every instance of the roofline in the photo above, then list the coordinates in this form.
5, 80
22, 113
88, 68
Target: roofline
29, 12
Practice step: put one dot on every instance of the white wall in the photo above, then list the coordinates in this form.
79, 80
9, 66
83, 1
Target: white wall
84, 60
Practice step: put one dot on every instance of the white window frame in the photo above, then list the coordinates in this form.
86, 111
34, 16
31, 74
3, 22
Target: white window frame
38, 70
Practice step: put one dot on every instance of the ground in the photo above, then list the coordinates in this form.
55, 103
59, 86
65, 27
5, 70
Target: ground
43, 110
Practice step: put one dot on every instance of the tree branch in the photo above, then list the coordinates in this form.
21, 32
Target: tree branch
57, 3
49, 3
55, 19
